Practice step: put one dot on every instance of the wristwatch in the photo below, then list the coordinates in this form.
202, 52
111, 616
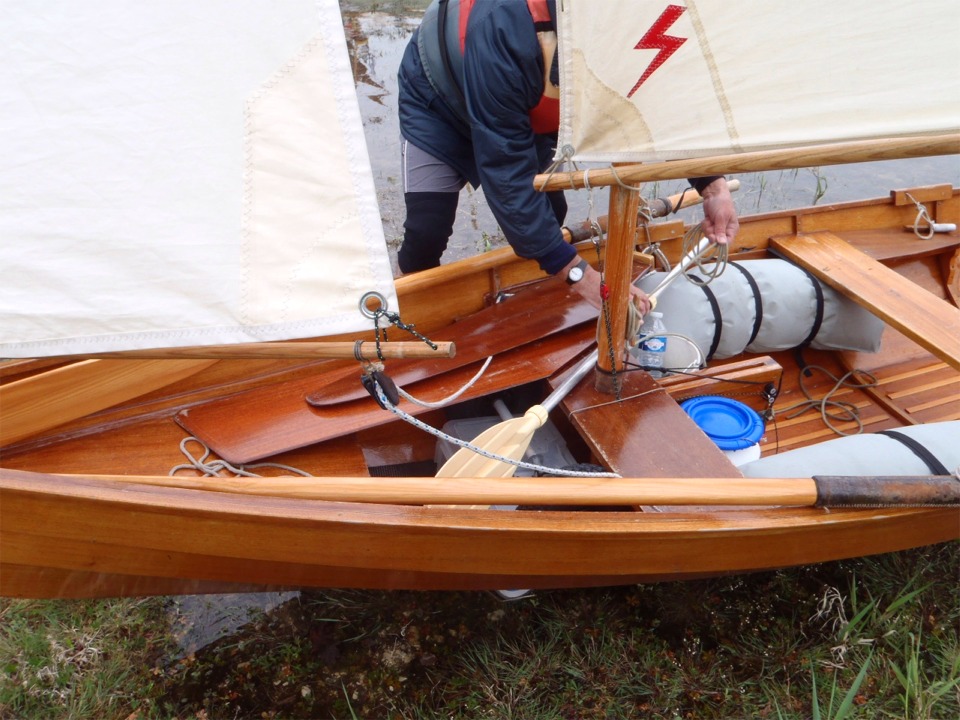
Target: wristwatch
575, 274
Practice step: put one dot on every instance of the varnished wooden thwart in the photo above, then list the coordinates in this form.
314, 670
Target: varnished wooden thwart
52, 398
646, 434
931, 322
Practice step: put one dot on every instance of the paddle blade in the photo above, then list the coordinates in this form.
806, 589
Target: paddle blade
509, 439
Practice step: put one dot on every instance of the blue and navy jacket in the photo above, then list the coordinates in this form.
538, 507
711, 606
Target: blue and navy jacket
473, 86
473, 111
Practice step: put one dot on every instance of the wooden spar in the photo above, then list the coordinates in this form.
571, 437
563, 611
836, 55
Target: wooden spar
617, 276
815, 155
820, 491
659, 207
364, 350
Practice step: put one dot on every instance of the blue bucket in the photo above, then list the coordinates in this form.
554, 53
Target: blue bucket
734, 427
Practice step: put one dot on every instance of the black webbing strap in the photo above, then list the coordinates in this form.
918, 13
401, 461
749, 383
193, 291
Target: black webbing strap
818, 290
715, 308
929, 459
757, 301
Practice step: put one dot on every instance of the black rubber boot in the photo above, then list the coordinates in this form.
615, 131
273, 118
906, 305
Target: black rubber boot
427, 229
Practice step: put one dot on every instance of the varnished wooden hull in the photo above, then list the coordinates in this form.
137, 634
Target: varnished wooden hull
64, 535
220, 540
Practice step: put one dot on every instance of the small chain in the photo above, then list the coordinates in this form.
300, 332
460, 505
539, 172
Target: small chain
394, 319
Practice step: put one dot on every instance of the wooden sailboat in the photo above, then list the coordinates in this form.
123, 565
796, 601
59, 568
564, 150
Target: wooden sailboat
87, 507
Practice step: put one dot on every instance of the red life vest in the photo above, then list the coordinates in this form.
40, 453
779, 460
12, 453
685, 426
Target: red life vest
545, 117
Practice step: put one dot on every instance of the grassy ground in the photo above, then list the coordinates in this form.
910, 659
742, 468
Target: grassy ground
874, 638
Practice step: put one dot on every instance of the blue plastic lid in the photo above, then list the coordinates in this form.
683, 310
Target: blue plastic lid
729, 423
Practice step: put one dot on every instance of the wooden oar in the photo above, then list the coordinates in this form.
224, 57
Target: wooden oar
821, 491
511, 438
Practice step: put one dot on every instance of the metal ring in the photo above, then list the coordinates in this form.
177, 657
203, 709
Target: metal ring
372, 295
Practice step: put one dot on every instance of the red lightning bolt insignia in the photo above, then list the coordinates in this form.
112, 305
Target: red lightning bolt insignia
656, 39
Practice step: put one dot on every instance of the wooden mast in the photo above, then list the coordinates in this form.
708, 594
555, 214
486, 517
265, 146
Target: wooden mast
617, 271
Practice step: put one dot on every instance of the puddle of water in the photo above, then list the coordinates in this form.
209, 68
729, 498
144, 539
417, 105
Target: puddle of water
197, 621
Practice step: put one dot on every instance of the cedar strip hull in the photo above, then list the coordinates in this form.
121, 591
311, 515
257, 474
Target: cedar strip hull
73, 537
142, 532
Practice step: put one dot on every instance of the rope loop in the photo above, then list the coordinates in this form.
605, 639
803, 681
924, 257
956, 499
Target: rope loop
922, 214
565, 155
621, 183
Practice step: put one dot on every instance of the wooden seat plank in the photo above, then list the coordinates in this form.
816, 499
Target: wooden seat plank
930, 321
647, 417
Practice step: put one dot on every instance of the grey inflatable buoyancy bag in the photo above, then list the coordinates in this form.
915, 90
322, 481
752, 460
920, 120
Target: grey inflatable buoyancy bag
763, 306
931, 449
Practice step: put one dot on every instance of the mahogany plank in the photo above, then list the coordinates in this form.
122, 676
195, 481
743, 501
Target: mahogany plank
536, 310
252, 426
923, 317
646, 434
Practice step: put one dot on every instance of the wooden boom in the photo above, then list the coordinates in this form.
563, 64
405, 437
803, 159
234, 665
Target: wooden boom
835, 154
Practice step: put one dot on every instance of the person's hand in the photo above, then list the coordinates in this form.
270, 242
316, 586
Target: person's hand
720, 223
589, 289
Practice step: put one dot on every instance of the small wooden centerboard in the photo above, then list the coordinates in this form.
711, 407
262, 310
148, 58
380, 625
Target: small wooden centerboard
928, 320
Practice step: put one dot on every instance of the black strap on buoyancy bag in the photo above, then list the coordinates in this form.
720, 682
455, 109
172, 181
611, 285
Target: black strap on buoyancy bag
929, 459
818, 291
714, 308
818, 316
757, 301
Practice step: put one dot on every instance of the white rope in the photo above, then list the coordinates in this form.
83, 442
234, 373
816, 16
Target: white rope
717, 258
213, 468
922, 214
450, 398
480, 451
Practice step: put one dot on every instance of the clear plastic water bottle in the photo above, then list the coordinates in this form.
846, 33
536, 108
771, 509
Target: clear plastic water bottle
653, 344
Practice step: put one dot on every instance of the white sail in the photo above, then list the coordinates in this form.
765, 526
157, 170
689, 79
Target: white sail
181, 173
644, 80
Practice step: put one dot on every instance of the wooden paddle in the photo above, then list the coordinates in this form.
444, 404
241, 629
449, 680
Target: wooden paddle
821, 491
511, 438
